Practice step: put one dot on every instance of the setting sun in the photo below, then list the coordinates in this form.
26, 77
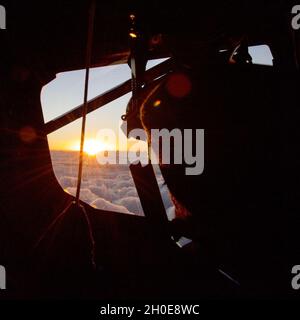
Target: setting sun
91, 147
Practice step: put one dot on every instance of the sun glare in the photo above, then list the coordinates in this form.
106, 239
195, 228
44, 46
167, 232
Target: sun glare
91, 147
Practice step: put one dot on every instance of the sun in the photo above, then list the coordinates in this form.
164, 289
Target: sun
91, 147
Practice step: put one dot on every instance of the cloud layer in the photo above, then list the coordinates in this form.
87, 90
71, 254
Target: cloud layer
108, 187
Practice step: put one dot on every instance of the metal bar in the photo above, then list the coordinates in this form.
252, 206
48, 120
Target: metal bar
151, 200
105, 98
89, 49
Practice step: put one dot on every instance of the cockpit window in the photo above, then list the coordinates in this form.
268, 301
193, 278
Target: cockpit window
261, 55
104, 186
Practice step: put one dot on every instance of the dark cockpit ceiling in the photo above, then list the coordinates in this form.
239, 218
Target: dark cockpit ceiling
51, 35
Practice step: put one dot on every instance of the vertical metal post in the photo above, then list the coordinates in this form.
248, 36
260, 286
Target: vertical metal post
86, 90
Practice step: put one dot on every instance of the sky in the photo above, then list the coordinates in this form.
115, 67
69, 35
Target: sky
66, 92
